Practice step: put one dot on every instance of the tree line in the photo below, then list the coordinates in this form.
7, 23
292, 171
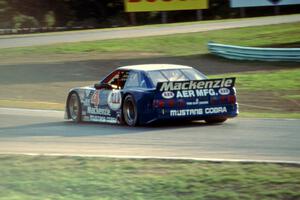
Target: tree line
106, 13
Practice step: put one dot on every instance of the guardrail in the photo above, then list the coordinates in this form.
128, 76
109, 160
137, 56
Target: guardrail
254, 53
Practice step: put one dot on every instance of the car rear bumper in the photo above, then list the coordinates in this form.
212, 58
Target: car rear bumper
192, 113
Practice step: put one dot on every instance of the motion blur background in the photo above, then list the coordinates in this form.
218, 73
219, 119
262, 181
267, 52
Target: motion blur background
111, 13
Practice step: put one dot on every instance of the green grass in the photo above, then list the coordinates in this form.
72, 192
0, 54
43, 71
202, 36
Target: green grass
295, 96
281, 80
268, 94
174, 45
41, 177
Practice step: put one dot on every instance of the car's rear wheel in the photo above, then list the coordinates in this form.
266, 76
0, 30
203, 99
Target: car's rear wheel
130, 112
215, 120
74, 107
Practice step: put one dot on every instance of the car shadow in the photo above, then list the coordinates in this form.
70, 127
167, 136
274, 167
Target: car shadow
71, 129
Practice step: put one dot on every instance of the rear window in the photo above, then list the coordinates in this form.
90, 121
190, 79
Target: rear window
193, 74
175, 75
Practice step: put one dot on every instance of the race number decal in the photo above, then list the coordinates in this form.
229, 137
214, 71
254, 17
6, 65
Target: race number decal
115, 100
95, 100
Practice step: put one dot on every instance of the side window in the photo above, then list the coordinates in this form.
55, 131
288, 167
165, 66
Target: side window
156, 76
133, 80
137, 80
117, 79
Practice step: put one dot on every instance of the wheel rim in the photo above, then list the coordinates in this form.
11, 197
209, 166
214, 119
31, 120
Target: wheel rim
130, 112
73, 107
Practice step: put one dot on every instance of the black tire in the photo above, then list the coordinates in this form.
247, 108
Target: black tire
215, 120
74, 107
130, 112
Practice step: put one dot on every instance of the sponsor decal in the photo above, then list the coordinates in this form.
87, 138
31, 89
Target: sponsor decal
114, 100
95, 118
87, 92
197, 102
199, 111
195, 85
168, 95
215, 110
95, 100
224, 91
164, 5
86, 101
195, 93
98, 111
85, 118
186, 112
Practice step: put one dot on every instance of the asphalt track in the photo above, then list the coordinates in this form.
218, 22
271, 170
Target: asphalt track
104, 34
45, 132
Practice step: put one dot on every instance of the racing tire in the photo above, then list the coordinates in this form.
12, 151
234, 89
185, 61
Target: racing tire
130, 112
74, 107
215, 120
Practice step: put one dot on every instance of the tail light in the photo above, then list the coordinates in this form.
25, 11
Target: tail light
171, 103
181, 103
213, 100
229, 99
224, 99
161, 103
158, 103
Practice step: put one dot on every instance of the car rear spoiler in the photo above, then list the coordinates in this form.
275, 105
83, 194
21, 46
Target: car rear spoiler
195, 92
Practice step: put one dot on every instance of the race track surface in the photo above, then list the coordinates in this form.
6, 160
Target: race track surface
45, 132
104, 34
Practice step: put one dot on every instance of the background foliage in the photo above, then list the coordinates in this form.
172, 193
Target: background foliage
107, 13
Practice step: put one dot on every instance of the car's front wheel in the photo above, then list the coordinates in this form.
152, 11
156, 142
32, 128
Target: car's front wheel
74, 107
130, 112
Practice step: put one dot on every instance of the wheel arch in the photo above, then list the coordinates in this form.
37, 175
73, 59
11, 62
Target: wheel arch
122, 104
67, 102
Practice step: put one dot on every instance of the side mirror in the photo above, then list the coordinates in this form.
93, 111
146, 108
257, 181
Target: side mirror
106, 86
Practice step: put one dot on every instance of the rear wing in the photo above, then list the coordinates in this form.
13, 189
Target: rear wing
196, 94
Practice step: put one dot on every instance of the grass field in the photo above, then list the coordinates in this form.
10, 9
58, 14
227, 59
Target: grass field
174, 45
272, 81
268, 94
41, 177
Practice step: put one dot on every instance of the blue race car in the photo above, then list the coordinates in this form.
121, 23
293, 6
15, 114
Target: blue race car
142, 94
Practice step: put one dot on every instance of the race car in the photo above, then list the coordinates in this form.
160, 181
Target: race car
143, 94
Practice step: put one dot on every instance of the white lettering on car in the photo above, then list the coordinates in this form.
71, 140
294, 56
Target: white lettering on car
186, 112
98, 111
193, 85
96, 118
195, 93
114, 100
215, 110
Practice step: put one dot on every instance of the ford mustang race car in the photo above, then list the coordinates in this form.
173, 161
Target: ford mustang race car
142, 94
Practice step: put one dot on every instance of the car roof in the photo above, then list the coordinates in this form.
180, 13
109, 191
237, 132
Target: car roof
154, 67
